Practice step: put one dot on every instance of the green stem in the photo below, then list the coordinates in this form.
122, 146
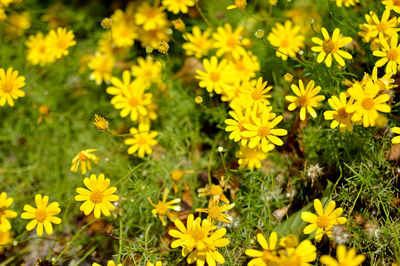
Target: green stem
120, 240
202, 14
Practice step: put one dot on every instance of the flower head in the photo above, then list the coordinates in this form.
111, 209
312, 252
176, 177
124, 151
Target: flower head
330, 47
5, 213
10, 84
42, 215
250, 157
162, 207
142, 140
381, 29
148, 71
97, 197
392, 5
150, 17
268, 254
176, 6
344, 258
341, 116
215, 191
306, 98
287, 39
216, 76
198, 43
390, 55
324, 221
36, 53
216, 212
396, 139
102, 65
254, 94
100, 122
58, 42
84, 158
228, 41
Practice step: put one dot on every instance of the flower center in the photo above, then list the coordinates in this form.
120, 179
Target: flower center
328, 46
134, 101
40, 215
392, 55
216, 190
198, 234
285, 43
161, 208
256, 94
381, 27
368, 103
263, 131
240, 3
142, 141
342, 114
214, 76
266, 256
240, 125
322, 222
231, 42
302, 101
96, 196
7, 87
396, 2
214, 212
2, 212
82, 156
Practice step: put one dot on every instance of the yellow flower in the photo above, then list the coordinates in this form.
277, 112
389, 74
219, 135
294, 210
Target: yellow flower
179, 24
102, 66
330, 47
386, 82
36, 53
236, 125
241, 4
148, 71
304, 253
132, 99
396, 139
198, 43
5, 202
123, 30
109, 263
250, 158
84, 158
216, 77
254, 95
346, 3
325, 220
42, 215
228, 42
307, 99
10, 84
153, 38
162, 207
142, 140
158, 263
216, 212
150, 17
3, 15
392, 5
106, 23
381, 29
262, 132
368, 103
390, 55
163, 47
341, 116
344, 257
97, 197
58, 42
5, 240
215, 191
100, 122
17, 24
263, 258
287, 39
119, 85
176, 6
244, 67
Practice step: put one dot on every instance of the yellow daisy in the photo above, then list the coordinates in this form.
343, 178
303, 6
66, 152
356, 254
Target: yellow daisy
150, 17
36, 53
306, 98
10, 84
176, 6
381, 29
215, 191
162, 207
368, 103
325, 220
84, 157
390, 55
268, 254
236, 125
97, 197
5, 203
330, 47
100, 122
392, 5
344, 257
198, 43
341, 116
262, 130
216, 212
396, 139
58, 42
228, 42
287, 39
216, 76
302, 255
42, 215
250, 158
148, 71
102, 66
142, 140
254, 95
